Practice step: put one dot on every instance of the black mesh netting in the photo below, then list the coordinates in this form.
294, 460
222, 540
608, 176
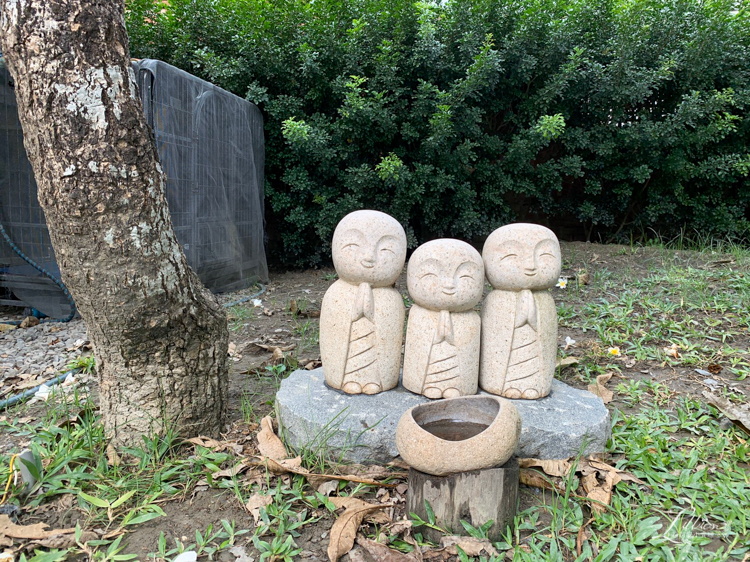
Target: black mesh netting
210, 144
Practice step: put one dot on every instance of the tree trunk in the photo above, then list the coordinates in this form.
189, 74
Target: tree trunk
159, 336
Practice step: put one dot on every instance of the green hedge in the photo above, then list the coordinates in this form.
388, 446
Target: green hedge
603, 118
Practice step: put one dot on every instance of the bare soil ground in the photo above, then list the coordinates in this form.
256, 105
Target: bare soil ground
281, 332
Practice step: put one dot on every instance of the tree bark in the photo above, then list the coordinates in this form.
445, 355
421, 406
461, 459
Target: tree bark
160, 338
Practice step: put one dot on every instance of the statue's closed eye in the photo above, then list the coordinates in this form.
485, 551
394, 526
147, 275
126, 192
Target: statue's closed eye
351, 245
427, 274
509, 256
387, 250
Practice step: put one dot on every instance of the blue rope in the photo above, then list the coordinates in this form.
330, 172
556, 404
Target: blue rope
245, 299
43, 271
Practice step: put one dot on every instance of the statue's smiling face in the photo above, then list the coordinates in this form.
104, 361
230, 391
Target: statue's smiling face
522, 256
369, 246
446, 275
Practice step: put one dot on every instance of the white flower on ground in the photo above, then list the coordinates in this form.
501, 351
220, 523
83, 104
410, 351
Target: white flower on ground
257, 303
615, 351
562, 282
569, 342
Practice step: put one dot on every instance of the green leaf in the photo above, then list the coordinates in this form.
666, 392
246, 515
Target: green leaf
94, 501
122, 499
430, 514
143, 518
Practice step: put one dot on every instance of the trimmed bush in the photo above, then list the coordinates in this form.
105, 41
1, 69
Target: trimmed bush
601, 118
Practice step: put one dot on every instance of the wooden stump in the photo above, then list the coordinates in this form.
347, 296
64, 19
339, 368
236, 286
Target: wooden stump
476, 497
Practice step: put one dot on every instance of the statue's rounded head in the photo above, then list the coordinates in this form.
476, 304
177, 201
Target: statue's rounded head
369, 247
445, 274
522, 256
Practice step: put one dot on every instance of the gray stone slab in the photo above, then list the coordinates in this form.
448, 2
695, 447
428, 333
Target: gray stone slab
362, 428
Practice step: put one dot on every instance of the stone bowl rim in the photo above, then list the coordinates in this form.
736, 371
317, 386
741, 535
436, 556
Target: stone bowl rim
474, 398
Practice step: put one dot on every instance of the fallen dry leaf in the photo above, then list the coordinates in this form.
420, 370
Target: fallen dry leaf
344, 529
29, 322
673, 351
589, 482
586, 465
564, 362
314, 364
255, 502
348, 502
284, 466
400, 527
381, 553
386, 497
535, 479
232, 471
379, 518
558, 467
30, 383
714, 369
601, 495
36, 531
206, 442
438, 554
113, 459
277, 356
328, 487
739, 415
470, 545
66, 540
600, 390
269, 444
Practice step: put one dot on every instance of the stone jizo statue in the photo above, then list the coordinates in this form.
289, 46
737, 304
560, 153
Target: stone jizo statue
441, 358
519, 319
362, 315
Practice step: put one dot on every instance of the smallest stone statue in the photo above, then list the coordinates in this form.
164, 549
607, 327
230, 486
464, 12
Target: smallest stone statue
441, 357
362, 315
519, 319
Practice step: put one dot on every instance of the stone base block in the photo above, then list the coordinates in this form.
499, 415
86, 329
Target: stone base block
362, 428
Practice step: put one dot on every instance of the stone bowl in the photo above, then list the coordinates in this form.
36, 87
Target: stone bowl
459, 434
